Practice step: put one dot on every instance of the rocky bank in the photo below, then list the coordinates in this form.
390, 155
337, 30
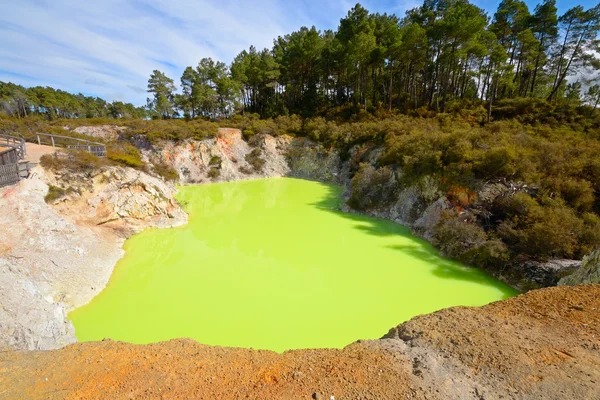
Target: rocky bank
54, 258
229, 157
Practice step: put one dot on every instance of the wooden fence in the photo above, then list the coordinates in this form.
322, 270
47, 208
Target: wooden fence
9, 174
97, 149
9, 156
11, 170
16, 143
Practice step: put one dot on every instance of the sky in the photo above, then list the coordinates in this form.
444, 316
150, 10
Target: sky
108, 48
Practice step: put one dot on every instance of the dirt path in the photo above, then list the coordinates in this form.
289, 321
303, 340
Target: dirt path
542, 345
36, 151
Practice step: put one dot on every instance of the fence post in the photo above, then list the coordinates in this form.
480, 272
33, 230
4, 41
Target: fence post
39, 141
52, 137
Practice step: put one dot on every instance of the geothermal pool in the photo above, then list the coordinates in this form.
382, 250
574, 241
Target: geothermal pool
271, 264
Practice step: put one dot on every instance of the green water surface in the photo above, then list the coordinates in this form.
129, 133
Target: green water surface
270, 264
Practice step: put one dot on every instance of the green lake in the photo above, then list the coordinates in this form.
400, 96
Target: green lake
271, 264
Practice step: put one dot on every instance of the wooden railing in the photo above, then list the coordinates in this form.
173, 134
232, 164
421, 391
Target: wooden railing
97, 149
9, 174
11, 169
13, 173
9, 156
16, 149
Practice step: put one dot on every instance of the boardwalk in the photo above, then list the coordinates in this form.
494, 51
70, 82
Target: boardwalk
16, 157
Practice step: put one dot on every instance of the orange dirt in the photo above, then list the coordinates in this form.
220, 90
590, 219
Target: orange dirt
542, 345
36, 151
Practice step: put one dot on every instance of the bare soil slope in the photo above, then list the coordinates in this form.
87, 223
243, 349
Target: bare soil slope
542, 345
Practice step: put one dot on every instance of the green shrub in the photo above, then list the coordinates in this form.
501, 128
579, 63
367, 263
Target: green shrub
589, 235
72, 161
543, 231
215, 161
214, 173
54, 193
125, 154
371, 187
457, 237
165, 171
491, 254
255, 160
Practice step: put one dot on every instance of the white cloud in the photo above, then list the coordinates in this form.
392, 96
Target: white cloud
109, 47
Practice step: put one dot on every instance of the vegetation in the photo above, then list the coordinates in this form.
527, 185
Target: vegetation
165, 171
21, 102
54, 193
450, 101
255, 160
125, 154
440, 56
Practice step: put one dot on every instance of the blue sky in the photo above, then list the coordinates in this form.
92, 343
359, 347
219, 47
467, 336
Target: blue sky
109, 48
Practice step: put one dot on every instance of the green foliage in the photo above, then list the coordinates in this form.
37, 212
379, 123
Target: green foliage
71, 161
173, 129
163, 90
371, 187
545, 227
214, 173
255, 160
49, 103
215, 161
125, 154
165, 171
455, 236
441, 57
54, 193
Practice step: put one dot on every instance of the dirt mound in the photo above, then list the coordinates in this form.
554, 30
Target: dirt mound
542, 345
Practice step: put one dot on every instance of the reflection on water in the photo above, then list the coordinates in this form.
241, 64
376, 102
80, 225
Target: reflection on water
271, 264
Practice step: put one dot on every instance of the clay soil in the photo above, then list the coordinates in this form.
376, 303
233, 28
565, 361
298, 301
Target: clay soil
542, 345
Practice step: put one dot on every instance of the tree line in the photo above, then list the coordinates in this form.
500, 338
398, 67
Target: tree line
441, 53
21, 102
444, 55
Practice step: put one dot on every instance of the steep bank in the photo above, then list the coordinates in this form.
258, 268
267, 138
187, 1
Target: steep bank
540, 345
455, 222
54, 258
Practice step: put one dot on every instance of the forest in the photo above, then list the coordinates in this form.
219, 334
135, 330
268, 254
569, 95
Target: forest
442, 56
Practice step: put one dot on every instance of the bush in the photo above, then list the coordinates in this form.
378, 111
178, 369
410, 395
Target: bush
72, 161
165, 171
456, 236
543, 231
54, 193
214, 173
371, 187
215, 161
125, 154
254, 159
491, 254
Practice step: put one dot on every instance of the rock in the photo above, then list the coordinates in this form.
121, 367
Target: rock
107, 132
58, 258
589, 272
527, 275
309, 160
430, 217
317, 396
222, 158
